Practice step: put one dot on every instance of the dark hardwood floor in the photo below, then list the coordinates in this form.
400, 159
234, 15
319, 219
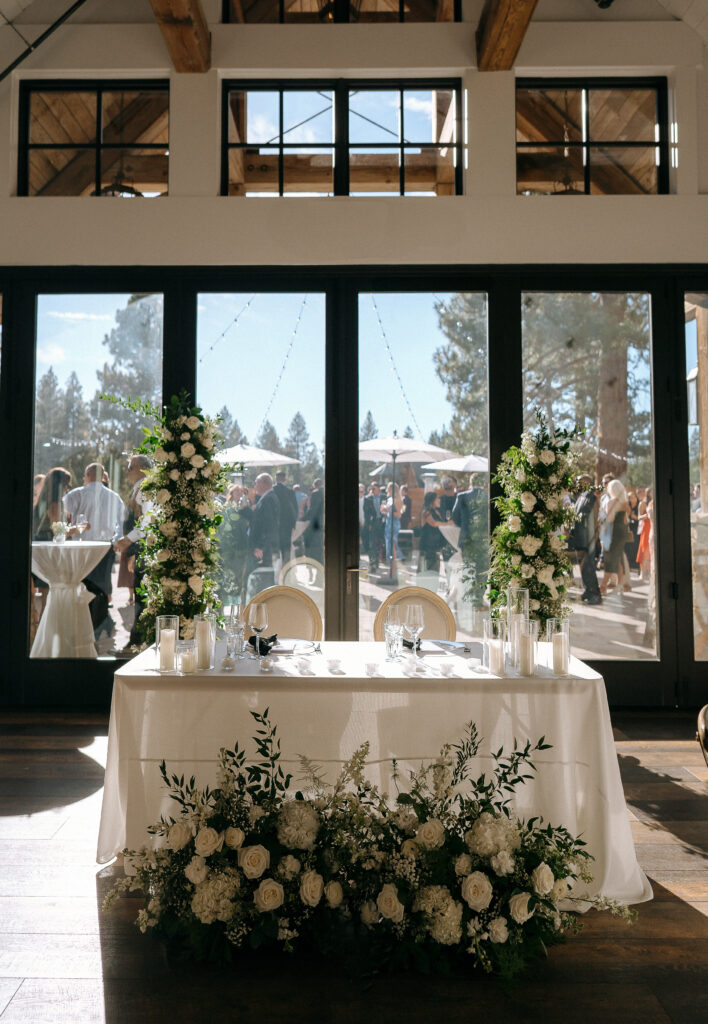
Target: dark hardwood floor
63, 960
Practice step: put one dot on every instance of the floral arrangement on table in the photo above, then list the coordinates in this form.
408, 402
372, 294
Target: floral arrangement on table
447, 874
59, 530
179, 548
529, 547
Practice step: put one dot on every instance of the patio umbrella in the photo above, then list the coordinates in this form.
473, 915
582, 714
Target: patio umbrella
250, 456
402, 449
461, 464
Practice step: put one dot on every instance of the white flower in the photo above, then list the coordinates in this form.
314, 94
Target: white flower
533, 458
160, 455
431, 834
516, 559
530, 545
197, 870
311, 888
389, 904
190, 474
198, 555
162, 496
197, 461
208, 841
369, 913
162, 555
334, 894
409, 848
172, 457
289, 866
514, 523
203, 508
520, 475
519, 907
254, 813
253, 860
553, 479
185, 436
463, 864
560, 889
502, 863
208, 443
196, 584
174, 474
187, 450
169, 529
547, 457
556, 543
527, 571
534, 605
406, 820
178, 835
528, 500
193, 422
497, 929
551, 503
545, 576
443, 914
234, 837
167, 434
298, 824
269, 895
477, 891
542, 878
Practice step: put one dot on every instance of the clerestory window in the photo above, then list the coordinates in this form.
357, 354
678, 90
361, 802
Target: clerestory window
319, 12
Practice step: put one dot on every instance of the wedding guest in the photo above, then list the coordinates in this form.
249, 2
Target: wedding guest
373, 526
392, 510
128, 545
233, 545
407, 510
448, 498
362, 518
431, 540
314, 516
48, 503
37, 485
264, 533
583, 538
644, 518
616, 512
288, 513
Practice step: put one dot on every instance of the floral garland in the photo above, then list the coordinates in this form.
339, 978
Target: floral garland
179, 549
529, 545
447, 875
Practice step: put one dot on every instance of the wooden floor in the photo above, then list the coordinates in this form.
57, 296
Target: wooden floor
62, 960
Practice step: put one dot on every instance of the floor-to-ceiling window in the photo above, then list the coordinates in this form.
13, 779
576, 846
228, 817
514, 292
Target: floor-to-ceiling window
696, 311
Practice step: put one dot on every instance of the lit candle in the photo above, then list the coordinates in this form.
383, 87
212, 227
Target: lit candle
167, 650
560, 654
496, 657
203, 635
526, 655
188, 661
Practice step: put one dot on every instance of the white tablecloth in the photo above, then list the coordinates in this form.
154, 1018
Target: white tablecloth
402, 713
65, 629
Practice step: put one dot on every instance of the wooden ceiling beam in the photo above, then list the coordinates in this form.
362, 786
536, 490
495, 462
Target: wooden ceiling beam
186, 33
501, 31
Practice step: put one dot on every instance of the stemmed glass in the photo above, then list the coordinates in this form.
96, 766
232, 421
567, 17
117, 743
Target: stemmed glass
234, 628
81, 524
414, 622
393, 631
258, 621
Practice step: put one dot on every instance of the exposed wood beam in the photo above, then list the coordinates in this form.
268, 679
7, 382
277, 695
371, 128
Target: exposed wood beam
501, 31
186, 33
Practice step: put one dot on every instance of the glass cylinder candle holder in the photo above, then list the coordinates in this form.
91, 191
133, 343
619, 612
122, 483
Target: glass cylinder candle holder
235, 632
166, 637
558, 636
186, 657
517, 612
205, 640
494, 640
528, 636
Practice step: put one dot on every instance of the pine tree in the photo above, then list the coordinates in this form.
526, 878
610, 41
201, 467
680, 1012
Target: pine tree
267, 438
230, 429
368, 428
298, 445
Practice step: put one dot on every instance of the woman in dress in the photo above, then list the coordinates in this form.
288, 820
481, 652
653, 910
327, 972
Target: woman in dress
392, 509
644, 518
431, 540
616, 518
48, 507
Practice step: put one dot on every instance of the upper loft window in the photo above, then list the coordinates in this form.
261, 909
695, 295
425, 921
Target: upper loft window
592, 137
93, 139
318, 12
342, 138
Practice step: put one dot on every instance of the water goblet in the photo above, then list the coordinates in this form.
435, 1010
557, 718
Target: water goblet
258, 621
414, 622
81, 524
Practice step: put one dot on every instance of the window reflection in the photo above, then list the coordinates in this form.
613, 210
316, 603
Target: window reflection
696, 312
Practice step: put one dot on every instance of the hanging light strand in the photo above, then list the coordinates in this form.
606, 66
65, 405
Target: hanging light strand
394, 369
227, 329
282, 368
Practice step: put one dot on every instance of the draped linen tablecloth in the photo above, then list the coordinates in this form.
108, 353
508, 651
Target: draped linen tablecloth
402, 713
65, 629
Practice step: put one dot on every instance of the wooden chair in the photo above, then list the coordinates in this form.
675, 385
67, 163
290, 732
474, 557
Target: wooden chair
439, 620
291, 613
702, 731
306, 574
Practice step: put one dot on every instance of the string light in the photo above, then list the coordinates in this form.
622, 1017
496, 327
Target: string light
227, 329
282, 368
394, 368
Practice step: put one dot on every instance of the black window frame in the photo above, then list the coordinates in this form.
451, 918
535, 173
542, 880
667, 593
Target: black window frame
588, 144
340, 88
94, 86
340, 11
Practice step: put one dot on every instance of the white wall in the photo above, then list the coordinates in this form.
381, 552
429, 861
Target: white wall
489, 224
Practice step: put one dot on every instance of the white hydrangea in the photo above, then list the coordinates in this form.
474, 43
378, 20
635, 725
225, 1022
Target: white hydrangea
530, 545
298, 825
443, 914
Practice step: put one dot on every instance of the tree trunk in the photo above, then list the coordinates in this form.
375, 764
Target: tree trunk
612, 403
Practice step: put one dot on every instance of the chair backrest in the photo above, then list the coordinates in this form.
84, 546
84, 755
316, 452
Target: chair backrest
291, 613
439, 620
702, 731
306, 574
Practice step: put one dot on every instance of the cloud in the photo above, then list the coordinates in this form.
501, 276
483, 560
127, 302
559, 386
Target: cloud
51, 354
77, 317
261, 128
418, 106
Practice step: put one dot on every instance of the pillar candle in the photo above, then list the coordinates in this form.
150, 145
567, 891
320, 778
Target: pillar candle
167, 650
496, 657
203, 636
560, 654
188, 661
526, 655
516, 621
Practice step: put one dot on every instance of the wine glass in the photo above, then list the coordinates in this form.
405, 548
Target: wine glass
258, 621
81, 524
414, 622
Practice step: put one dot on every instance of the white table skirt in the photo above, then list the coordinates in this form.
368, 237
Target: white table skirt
65, 629
327, 715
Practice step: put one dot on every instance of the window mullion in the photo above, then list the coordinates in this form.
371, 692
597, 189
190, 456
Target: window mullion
340, 94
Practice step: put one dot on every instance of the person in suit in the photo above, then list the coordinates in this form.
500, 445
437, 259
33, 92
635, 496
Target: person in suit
470, 513
373, 528
466, 507
314, 516
264, 533
447, 498
129, 543
288, 513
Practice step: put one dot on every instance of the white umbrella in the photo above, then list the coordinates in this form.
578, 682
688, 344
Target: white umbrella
461, 464
251, 456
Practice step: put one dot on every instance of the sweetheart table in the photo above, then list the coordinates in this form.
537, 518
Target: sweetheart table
327, 704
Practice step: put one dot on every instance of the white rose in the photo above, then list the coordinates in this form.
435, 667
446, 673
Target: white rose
542, 878
172, 457
187, 450
162, 555
547, 457
502, 863
431, 834
167, 434
530, 545
477, 891
196, 584
551, 503
520, 475
463, 864
208, 841
388, 903
197, 461
203, 508
514, 523
174, 474
553, 479
162, 496
519, 907
193, 422
528, 500
560, 889
269, 895
208, 443
160, 455
198, 556
516, 559
497, 929
534, 606
197, 870
311, 888
190, 474
334, 894
253, 860
234, 837
369, 913
178, 835
409, 848
185, 436
289, 866
169, 529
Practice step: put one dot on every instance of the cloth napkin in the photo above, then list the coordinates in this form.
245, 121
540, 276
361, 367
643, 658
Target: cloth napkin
266, 643
409, 644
